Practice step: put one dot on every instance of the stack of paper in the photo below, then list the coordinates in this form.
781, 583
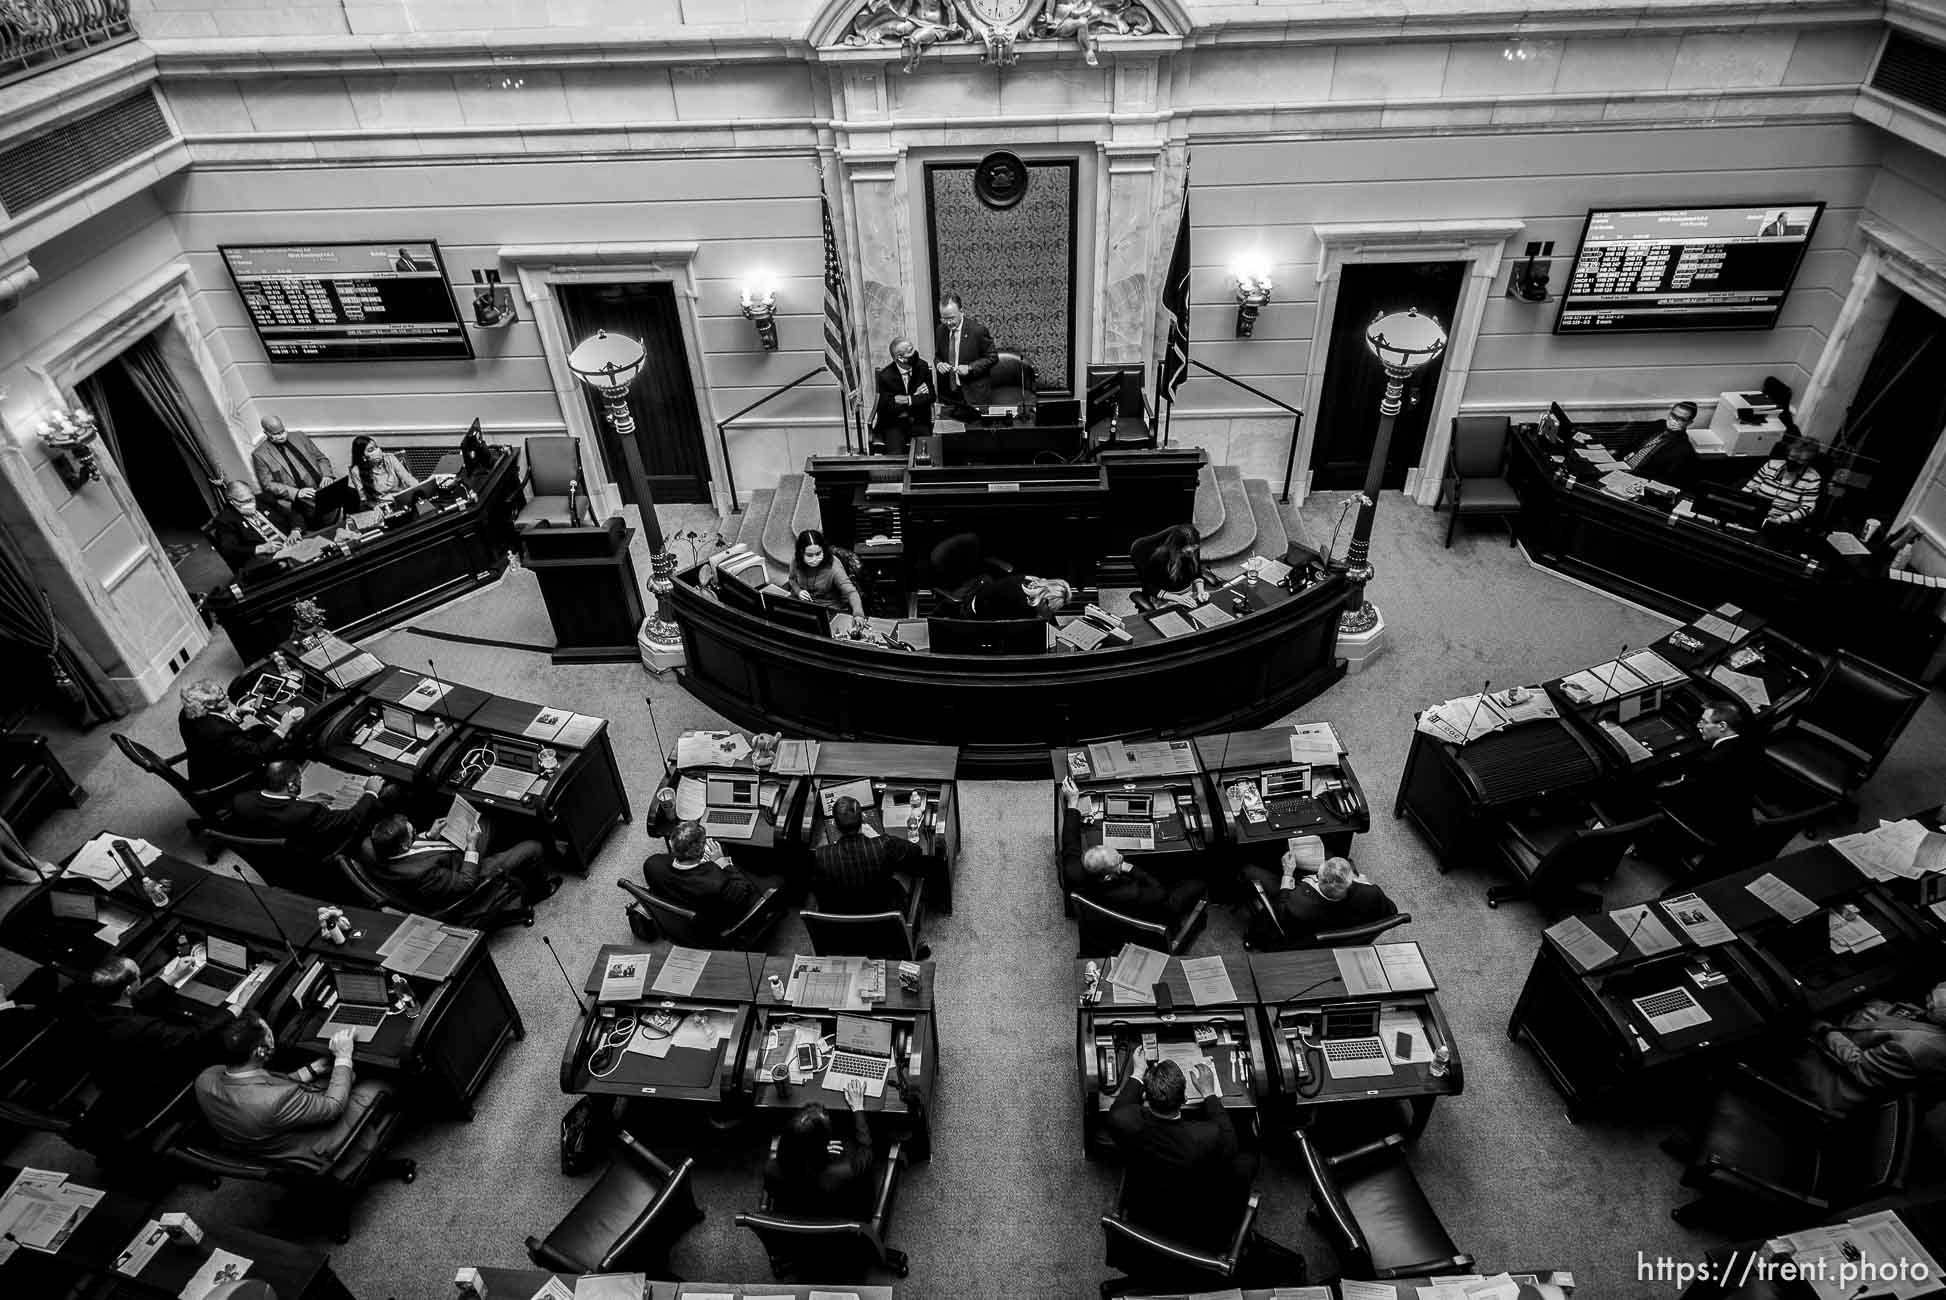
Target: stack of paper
1464, 719
1135, 972
41, 1209
1893, 849
97, 863
1621, 483
1588, 949
1652, 668
1316, 743
1602, 683
425, 948
1751, 690
1209, 981
710, 749
1851, 932
1266, 569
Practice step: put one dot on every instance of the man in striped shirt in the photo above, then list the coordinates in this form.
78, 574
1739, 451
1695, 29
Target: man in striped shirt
1791, 485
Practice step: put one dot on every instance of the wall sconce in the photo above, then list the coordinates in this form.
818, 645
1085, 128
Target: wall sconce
1253, 295
69, 435
1527, 282
493, 302
760, 306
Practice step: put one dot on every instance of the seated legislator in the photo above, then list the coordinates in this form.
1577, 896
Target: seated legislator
695, 873
905, 398
274, 810
1183, 1177
139, 1048
1791, 485
1886, 1047
223, 740
853, 875
1102, 875
290, 469
377, 475
260, 1112
1331, 898
819, 576
245, 532
1169, 564
818, 1175
1712, 796
1666, 455
1016, 595
428, 871
964, 355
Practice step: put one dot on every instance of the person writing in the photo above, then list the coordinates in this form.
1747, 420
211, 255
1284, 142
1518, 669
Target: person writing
1331, 898
1184, 1176
904, 400
817, 1174
290, 469
817, 575
1791, 485
966, 355
284, 1116
376, 473
1169, 564
427, 871
222, 740
1666, 455
244, 533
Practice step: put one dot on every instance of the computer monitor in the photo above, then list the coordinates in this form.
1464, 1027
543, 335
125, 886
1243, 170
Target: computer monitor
1557, 427
1058, 410
738, 594
731, 792
803, 615
1019, 444
1730, 506
1115, 392
987, 636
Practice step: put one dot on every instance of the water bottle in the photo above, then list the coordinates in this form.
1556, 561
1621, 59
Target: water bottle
915, 816
157, 890
1442, 1061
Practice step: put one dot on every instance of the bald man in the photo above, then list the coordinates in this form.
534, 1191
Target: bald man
290, 468
904, 399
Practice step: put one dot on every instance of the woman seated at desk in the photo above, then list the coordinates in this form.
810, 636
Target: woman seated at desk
1169, 564
1791, 485
1017, 595
819, 576
380, 475
817, 1174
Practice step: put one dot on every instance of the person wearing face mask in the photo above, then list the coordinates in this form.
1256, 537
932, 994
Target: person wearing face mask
223, 740
1791, 484
819, 576
1666, 455
904, 400
377, 474
966, 355
290, 469
245, 533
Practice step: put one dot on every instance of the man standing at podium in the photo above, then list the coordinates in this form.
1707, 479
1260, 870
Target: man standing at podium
966, 354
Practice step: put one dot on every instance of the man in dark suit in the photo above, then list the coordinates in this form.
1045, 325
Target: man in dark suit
275, 810
1886, 1047
854, 873
1666, 455
904, 400
1711, 799
1102, 875
1331, 898
223, 740
695, 873
1183, 1175
429, 872
248, 531
143, 1043
965, 355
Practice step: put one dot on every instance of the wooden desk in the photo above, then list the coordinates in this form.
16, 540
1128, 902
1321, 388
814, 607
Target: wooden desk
1732, 1277
387, 578
32, 930
520, 1283
895, 771
773, 848
1233, 756
1454, 793
727, 987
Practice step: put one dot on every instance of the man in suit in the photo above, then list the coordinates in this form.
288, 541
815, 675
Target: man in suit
223, 740
247, 531
291, 469
275, 810
1331, 898
1711, 799
261, 1112
1184, 1177
695, 873
1886, 1047
1666, 455
854, 873
122, 1021
429, 872
965, 355
1102, 875
904, 399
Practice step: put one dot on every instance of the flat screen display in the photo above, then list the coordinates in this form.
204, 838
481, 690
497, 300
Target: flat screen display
1652, 269
349, 302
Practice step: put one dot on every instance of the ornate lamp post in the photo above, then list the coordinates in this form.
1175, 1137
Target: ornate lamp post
609, 364
1402, 341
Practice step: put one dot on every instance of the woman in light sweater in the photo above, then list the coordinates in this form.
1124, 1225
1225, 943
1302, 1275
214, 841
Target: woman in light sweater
819, 576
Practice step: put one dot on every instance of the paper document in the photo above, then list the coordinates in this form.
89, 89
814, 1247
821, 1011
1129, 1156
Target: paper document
426, 695
221, 1266
1125, 758
1418, 1044
1405, 967
1698, 920
1751, 690
1652, 668
710, 749
1720, 628
1643, 931
1137, 969
461, 821
1209, 981
1208, 615
1891, 849
425, 948
547, 724
1847, 544
1267, 569
97, 862
680, 971
331, 787
1783, 900
796, 757
1632, 749
330, 649
1888, 1240
612, 1286
1850, 931
554, 1289
692, 799
1588, 949
1316, 743
1348, 1289
1601, 683
1498, 1287
141, 1249
1171, 624
1361, 970
354, 670
1300, 1293
623, 977
1187, 1057
578, 731
1081, 633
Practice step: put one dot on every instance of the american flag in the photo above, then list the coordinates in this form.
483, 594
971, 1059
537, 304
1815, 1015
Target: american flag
837, 308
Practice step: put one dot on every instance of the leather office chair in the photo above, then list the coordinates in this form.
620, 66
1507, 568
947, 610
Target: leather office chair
891, 935
1104, 930
1148, 1259
1268, 933
1704, 853
833, 1250
1765, 1151
1844, 728
210, 804
1554, 855
1011, 382
1370, 1207
270, 856
492, 904
956, 565
627, 1221
1476, 472
43, 1082
650, 915
552, 463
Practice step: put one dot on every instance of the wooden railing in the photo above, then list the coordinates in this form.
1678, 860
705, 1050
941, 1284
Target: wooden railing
39, 34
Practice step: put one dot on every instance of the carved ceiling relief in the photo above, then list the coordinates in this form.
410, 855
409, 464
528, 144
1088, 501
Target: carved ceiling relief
916, 26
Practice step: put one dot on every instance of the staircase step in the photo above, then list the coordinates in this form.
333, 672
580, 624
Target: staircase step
750, 525
1238, 532
780, 538
1272, 539
1208, 512
806, 515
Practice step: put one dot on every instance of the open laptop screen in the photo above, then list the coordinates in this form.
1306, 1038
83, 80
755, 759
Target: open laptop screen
864, 1034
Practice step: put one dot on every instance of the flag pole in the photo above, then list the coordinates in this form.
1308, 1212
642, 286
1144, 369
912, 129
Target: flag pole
844, 417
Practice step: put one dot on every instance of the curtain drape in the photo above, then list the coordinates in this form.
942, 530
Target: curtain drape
153, 379
95, 398
27, 619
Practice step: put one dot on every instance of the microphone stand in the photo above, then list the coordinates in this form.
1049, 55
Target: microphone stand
269, 915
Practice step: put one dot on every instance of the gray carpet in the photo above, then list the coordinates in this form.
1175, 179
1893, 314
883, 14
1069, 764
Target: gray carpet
1008, 1206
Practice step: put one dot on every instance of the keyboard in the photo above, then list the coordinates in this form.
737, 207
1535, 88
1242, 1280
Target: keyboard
1128, 830
868, 1070
731, 823
219, 977
348, 1014
1295, 810
1355, 1058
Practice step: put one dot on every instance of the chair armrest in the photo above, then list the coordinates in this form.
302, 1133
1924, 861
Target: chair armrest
915, 905
1772, 1092
1244, 1226
1222, 1266
751, 918
1391, 1141
657, 1165
1187, 926
1270, 911
888, 1185
1761, 1188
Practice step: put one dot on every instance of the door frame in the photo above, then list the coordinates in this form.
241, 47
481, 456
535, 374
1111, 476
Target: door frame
1478, 243
542, 266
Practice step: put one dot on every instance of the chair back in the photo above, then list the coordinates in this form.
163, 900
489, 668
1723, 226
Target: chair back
1352, 936
628, 1220
1586, 855
1862, 707
1011, 381
817, 1250
155, 765
354, 885
550, 465
872, 934
1480, 445
676, 922
1153, 1258
1104, 930
270, 856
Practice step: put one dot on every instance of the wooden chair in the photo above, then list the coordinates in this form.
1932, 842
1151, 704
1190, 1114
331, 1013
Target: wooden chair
1476, 472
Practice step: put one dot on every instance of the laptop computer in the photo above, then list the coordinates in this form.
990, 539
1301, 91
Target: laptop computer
227, 965
862, 1050
363, 1004
1350, 1043
1129, 823
397, 734
731, 792
338, 494
860, 789
731, 823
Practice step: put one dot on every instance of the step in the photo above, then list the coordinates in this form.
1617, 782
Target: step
1208, 512
750, 524
1238, 532
1272, 539
780, 537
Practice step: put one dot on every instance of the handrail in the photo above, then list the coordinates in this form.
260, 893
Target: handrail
38, 34
723, 440
1297, 420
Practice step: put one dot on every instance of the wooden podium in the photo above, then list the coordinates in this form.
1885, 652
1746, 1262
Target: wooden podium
589, 583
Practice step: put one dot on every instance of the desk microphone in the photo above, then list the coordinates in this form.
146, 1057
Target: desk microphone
660, 753
573, 992
1478, 700
445, 706
1628, 940
296, 962
1609, 685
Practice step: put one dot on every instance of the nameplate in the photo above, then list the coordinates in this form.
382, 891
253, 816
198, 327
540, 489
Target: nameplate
1003, 487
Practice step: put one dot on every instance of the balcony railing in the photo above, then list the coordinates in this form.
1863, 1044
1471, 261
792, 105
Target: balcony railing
36, 35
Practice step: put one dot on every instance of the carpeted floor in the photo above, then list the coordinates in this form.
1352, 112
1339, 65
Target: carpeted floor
1008, 1206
